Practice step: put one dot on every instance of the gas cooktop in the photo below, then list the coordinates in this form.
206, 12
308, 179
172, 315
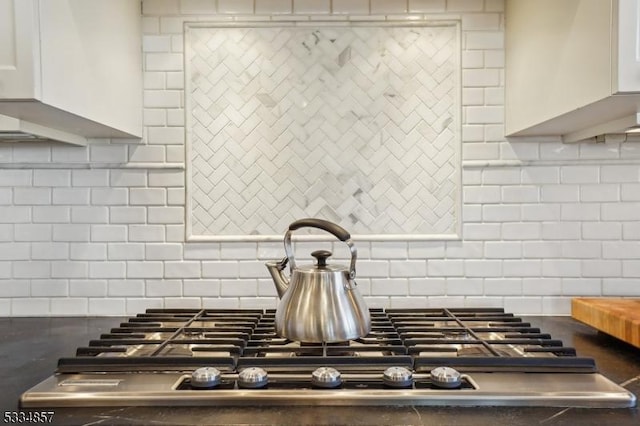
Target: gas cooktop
460, 357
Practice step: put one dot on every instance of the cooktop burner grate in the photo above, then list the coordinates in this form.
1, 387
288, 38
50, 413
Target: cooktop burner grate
470, 339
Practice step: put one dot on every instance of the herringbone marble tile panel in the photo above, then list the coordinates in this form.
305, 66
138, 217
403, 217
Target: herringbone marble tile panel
352, 124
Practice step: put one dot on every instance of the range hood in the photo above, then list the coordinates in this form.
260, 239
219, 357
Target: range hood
17, 130
572, 69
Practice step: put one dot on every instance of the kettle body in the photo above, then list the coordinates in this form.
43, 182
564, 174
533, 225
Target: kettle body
320, 302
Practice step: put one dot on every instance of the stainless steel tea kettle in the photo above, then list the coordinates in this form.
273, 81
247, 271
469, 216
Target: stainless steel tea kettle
320, 303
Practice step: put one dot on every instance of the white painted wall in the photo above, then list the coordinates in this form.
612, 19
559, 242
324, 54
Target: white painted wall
99, 230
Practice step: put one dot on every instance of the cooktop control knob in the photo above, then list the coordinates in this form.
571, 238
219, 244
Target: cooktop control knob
205, 377
397, 377
253, 378
326, 377
446, 377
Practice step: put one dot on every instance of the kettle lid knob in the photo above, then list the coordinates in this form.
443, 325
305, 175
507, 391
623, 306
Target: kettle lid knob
321, 256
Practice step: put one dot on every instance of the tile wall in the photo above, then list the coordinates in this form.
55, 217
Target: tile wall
100, 230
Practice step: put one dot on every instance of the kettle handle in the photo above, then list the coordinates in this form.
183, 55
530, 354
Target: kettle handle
336, 230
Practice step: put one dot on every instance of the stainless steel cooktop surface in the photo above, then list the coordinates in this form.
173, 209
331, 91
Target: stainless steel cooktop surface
457, 357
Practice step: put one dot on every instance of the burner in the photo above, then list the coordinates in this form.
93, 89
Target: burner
446, 377
253, 378
205, 377
326, 377
397, 377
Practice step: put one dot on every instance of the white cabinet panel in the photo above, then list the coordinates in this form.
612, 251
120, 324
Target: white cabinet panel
18, 49
73, 65
572, 67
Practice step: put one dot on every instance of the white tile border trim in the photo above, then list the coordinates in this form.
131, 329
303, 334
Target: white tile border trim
301, 22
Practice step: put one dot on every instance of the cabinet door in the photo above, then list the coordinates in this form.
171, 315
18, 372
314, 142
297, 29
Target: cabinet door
19, 50
628, 47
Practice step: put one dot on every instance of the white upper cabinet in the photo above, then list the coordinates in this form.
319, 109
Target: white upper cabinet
572, 67
73, 66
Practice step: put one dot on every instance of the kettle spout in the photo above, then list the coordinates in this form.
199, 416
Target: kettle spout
280, 281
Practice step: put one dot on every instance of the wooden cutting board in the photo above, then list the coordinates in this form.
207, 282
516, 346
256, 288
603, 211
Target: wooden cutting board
617, 317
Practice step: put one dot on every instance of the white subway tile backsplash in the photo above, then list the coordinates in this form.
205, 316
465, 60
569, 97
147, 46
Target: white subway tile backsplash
163, 251
481, 194
521, 268
125, 288
108, 153
237, 287
70, 269
31, 153
107, 269
182, 269
31, 196
107, 306
346, 6
201, 288
502, 249
408, 268
384, 7
601, 268
395, 286
483, 40
464, 286
106, 235
427, 286
69, 154
143, 269
481, 77
128, 214
14, 288
30, 307
49, 288
69, 306
465, 5
87, 288
481, 231
71, 232
146, 233
89, 178
541, 175
541, 286
620, 211
97, 215
484, 115
70, 196
581, 287
163, 288
31, 269
501, 213
59, 178
502, 287
51, 214
630, 230
464, 250
523, 305
482, 268
161, 99
6, 196
5, 270
165, 215
32, 232
163, 62
559, 193
582, 212
445, 268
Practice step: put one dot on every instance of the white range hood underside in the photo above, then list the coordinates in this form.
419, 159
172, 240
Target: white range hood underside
17, 130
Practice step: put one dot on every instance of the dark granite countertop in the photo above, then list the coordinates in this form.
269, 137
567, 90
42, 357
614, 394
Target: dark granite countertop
31, 347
